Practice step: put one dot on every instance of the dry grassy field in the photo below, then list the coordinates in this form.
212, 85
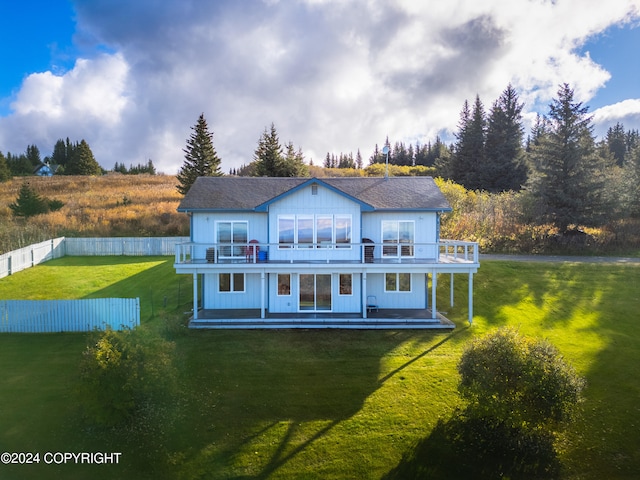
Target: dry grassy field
111, 205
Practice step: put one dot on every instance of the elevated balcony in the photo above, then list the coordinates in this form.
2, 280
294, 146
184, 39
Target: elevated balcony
258, 254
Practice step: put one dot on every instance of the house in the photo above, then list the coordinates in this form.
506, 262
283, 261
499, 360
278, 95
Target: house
319, 252
45, 170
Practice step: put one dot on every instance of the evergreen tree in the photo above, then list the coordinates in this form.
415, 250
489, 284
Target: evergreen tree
358, 159
268, 155
463, 167
59, 155
28, 203
377, 156
82, 161
566, 178
33, 154
293, 163
504, 168
616, 143
631, 176
269, 160
19, 165
5, 172
201, 159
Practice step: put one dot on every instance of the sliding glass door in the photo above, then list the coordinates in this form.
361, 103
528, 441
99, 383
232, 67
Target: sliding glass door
315, 292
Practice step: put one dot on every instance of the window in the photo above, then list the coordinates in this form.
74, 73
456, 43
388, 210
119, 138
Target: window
231, 282
346, 280
321, 230
396, 233
234, 234
284, 284
305, 231
397, 282
324, 229
286, 228
343, 230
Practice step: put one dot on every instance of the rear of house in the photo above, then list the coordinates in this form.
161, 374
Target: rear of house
300, 248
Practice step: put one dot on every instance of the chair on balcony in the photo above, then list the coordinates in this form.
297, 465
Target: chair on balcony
372, 303
211, 255
252, 250
368, 250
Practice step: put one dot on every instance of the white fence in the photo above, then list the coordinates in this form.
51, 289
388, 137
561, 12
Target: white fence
69, 315
30, 256
134, 246
37, 253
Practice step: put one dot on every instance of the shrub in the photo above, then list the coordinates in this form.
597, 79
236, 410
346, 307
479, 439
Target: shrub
518, 380
126, 376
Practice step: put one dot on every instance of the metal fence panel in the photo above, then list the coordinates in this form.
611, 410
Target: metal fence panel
38, 316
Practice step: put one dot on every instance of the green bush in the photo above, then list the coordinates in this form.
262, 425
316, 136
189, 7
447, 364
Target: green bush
518, 380
126, 376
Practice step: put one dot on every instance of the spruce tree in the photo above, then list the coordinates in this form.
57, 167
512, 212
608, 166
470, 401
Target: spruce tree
616, 143
268, 155
33, 154
82, 161
566, 178
5, 172
201, 159
463, 166
504, 168
293, 163
28, 203
59, 155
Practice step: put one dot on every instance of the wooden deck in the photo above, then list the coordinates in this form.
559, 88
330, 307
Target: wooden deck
382, 319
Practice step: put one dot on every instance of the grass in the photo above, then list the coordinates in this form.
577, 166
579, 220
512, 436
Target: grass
319, 404
107, 206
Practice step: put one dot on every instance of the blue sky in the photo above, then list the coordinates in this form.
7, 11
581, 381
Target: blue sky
333, 75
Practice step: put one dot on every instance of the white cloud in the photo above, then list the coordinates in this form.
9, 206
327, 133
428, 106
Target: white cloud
333, 75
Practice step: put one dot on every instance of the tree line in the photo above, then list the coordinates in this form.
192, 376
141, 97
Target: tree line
566, 176
67, 158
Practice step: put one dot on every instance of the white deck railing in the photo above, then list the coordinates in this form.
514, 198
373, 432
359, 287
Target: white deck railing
256, 252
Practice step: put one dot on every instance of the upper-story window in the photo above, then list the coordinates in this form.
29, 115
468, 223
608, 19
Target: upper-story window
319, 230
233, 236
396, 233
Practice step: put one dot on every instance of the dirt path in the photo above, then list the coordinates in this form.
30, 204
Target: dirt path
562, 259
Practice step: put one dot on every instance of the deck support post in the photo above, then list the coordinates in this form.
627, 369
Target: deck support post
434, 284
452, 289
364, 294
262, 294
471, 299
195, 296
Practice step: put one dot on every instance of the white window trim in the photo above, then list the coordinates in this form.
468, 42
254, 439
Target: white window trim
397, 245
232, 284
339, 285
397, 290
314, 221
278, 285
231, 245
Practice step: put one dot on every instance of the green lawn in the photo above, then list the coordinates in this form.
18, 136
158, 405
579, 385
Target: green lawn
318, 404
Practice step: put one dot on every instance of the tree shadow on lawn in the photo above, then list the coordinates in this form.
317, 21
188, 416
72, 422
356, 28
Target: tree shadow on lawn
589, 311
159, 288
257, 399
466, 446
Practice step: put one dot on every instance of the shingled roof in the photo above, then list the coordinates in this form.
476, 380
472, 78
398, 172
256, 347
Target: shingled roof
255, 193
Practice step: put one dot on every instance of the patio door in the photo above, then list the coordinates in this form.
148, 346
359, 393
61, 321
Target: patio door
315, 292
